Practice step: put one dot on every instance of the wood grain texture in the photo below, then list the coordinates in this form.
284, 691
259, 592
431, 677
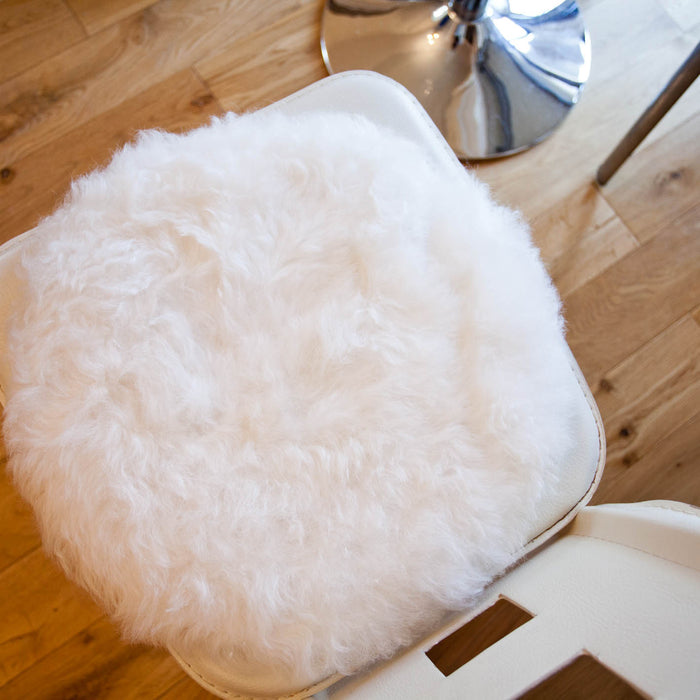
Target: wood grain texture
625, 257
668, 470
186, 688
33, 30
109, 669
660, 177
96, 15
117, 63
580, 237
39, 610
582, 679
178, 103
686, 14
477, 635
648, 396
268, 65
632, 301
18, 531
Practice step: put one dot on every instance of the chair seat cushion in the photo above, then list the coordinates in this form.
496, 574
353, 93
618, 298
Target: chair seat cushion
284, 390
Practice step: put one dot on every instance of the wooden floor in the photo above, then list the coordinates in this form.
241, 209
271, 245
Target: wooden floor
79, 77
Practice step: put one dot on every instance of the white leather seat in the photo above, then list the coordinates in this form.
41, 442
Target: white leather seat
383, 101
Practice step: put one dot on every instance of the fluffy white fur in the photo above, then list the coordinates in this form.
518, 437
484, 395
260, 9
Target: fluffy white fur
283, 390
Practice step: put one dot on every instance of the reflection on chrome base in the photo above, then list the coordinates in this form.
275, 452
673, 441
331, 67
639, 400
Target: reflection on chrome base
496, 76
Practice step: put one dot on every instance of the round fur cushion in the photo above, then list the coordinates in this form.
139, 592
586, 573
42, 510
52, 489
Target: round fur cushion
283, 390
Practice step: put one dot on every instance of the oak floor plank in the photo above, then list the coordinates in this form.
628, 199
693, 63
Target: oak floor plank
580, 237
584, 677
117, 63
95, 663
650, 394
32, 31
635, 299
186, 689
178, 103
18, 530
39, 610
660, 177
686, 14
270, 64
19, 534
614, 97
670, 470
98, 15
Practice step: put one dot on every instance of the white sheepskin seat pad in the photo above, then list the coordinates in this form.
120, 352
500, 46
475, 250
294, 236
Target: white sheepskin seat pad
282, 390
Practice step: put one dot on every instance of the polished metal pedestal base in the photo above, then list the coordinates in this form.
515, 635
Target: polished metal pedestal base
496, 83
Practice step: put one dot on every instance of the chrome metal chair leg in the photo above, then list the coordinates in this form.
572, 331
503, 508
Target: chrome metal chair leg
496, 77
682, 79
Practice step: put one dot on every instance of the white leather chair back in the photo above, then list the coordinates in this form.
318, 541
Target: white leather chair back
621, 585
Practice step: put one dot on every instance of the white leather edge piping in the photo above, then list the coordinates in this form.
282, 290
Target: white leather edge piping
223, 693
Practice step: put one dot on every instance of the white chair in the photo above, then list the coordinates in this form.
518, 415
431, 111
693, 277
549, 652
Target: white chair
384, 102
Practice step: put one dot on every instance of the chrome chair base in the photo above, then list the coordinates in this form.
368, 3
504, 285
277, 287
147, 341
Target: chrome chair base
496, 79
